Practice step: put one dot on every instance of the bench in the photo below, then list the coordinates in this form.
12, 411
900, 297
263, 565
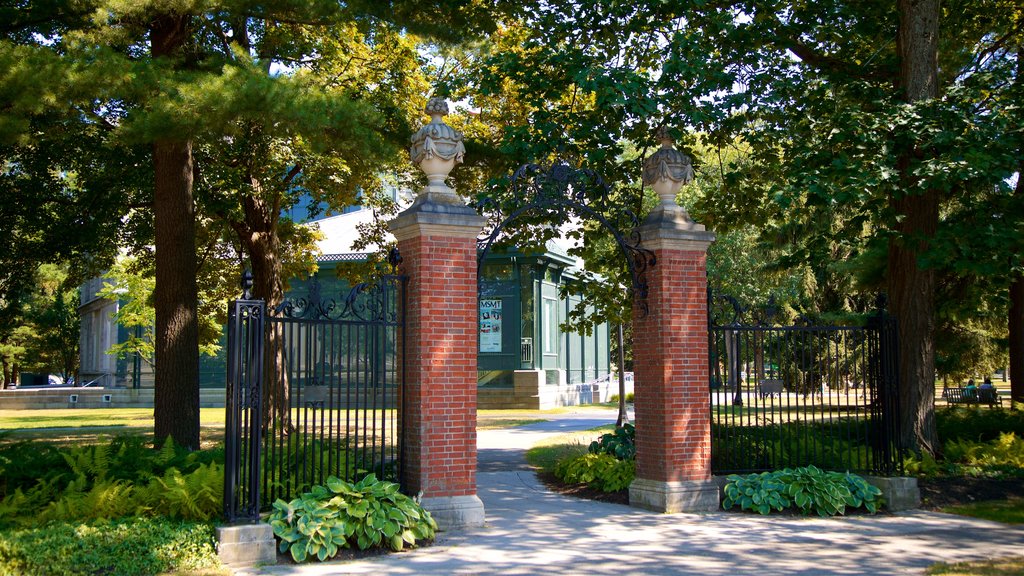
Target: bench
960, 396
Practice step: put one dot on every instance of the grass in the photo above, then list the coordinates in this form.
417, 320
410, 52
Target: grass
548, 452
497, 423
1006, 511
999, 567
17, 420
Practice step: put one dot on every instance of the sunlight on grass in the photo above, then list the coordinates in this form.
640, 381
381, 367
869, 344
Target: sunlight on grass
13, 420
1007, 511
548, 452
498, 423
1001, 567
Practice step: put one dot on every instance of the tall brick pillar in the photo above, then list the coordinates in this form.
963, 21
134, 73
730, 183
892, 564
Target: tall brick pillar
437, 240
670, 353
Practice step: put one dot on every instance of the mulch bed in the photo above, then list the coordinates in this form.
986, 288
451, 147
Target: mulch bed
936, 493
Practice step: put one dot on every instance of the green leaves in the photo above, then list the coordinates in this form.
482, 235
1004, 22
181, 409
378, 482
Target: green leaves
602, 471
621, 443
807, 489
340, 514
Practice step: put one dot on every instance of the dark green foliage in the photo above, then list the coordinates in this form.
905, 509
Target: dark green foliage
977, 424
370, 513
1003, 456
839, 444
621, 443
807, 489
602, 471
131, 547
305, 459
122, 478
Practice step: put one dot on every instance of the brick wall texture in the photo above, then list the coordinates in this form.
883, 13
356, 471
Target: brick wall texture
440, 366
670, 351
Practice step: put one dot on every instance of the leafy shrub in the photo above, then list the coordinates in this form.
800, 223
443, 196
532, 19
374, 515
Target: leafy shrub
762, 492
621, 443
1002, 455
630, 397
122, 478
133, 547
977, 424
602, 471
807, 489
369, 513
294, 467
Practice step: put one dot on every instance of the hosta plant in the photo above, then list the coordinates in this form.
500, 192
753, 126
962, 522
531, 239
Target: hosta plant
601, 471
807, 489
621, 443
340, 515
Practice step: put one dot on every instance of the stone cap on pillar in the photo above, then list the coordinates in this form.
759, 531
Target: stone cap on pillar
437, 211
666, 171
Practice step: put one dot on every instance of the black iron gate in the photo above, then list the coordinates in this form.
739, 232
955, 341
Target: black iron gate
313, 390
787, 396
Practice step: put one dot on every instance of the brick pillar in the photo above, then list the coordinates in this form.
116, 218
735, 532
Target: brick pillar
438, 246
670, 352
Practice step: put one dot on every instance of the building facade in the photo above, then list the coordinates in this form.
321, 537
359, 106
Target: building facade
525, 359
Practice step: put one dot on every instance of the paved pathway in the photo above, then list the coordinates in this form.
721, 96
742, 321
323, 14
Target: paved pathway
532, 531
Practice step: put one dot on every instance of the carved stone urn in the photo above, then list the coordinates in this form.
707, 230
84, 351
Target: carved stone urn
436, 149
666, 171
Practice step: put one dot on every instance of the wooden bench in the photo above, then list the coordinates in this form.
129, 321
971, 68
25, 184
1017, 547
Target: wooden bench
960, 396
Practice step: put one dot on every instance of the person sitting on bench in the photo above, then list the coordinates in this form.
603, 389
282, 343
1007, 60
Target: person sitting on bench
971, 390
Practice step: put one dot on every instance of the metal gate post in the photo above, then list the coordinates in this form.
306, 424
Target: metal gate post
244, 418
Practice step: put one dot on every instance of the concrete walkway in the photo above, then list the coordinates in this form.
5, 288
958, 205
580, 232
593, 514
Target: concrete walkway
533, 531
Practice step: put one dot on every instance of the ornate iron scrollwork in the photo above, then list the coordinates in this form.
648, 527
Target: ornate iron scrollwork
562, 191
365, 302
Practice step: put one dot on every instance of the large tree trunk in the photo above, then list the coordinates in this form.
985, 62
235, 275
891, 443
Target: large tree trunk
1017, 340
258, 234
1016, 320
176, 354
911, 289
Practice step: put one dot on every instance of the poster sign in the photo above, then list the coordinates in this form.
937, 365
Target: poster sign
490, 325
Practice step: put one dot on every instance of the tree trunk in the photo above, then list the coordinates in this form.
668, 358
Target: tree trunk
911, 289
258, 234
175, 297
1016, 320
1017, 340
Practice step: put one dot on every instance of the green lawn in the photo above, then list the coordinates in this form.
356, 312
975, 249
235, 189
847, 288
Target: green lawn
1006, 511
546, 453
1000, 567
13, 420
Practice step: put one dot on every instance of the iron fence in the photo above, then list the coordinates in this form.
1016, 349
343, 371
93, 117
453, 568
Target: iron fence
323, 392
787, 396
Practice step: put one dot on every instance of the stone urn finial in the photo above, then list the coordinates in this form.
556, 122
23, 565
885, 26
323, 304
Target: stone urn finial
436, 149
667, 170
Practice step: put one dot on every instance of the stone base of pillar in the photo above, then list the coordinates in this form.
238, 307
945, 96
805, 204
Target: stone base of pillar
900, 493
671, 497
246, 545
455, 512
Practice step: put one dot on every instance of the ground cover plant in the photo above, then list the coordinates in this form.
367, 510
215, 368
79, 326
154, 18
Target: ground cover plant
808, 490
116, 507
338, 515
124, 547
124, 477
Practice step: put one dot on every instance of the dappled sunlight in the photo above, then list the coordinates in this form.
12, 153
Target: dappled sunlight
530, 530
